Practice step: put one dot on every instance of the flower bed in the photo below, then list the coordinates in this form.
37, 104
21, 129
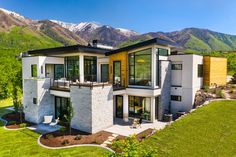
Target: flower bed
14, 122
64, 138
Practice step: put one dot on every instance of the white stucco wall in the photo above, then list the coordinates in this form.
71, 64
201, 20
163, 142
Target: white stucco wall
190, 82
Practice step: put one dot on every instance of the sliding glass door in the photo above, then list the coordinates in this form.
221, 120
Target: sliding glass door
90, 68
61, 107
140, 107
72, 67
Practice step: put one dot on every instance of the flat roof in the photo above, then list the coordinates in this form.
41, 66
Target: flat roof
65, 49
157, 41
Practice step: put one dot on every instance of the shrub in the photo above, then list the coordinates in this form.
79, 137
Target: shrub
231, 91
144, 135
62, 129
23, 125
220, 94
65, 142
12, 122
49, 136
130, 147
78, 137
206, 89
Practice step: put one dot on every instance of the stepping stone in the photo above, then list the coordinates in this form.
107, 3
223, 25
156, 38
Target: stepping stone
115, 135
104, 145
111, 137
107, 142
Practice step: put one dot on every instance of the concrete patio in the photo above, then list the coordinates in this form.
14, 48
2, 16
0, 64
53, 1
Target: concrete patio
43, 129
125, 128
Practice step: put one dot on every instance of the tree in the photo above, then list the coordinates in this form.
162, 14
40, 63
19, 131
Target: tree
69, 115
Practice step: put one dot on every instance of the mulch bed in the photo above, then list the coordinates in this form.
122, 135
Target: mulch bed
13, 116
58, 138
146, 133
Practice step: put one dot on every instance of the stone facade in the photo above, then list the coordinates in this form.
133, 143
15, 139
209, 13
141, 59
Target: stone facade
93, 108
37, 89
165, 72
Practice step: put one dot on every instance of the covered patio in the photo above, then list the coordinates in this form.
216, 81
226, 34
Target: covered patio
123, 128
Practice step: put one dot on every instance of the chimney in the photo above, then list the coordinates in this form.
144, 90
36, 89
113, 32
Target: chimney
95, 43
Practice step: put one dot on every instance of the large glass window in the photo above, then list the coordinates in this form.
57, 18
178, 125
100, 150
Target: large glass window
176, 66
117, 73
90, 68
200, 70
72, 67
162, 52
140, 107
33, 70
58, 71
140, 68
104, 72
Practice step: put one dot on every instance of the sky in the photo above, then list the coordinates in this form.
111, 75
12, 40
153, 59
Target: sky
139, 15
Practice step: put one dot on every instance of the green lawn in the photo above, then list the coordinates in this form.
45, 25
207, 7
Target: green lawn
208, 131
23, 143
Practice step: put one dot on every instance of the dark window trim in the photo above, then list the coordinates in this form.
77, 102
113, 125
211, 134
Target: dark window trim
113, 77
32, 70
134, 64
176, 98
172, 66
158, 48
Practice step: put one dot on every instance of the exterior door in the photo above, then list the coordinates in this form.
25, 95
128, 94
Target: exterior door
119, 106
117, 73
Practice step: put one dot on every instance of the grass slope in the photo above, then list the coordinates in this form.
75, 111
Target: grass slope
208, 131
23, 143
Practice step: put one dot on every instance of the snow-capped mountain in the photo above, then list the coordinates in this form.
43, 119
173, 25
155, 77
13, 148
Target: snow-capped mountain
16, 15
78, 27
91, 26
104, 33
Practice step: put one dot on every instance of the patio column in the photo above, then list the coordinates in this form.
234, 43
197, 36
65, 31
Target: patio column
81, 68
125, 108
153, 110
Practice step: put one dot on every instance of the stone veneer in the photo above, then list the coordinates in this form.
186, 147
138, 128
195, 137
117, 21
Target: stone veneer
165, 72
93, 108
39, 89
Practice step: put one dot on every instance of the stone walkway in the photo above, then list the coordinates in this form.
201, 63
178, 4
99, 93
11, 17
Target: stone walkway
109, 140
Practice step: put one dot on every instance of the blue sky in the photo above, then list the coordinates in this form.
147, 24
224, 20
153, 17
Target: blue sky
139, 15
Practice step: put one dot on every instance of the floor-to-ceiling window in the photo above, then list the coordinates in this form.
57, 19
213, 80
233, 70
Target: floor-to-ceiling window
140, 64
104, 72
140, 107
117, 73
90, 68
61, 107
58, 71
119, 106
72, 67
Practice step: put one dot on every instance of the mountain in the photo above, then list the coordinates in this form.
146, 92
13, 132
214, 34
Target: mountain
39, 28
192, 39
104, 33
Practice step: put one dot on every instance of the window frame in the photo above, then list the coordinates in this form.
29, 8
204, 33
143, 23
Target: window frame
34, 73
175, 68
134, 65
176, 98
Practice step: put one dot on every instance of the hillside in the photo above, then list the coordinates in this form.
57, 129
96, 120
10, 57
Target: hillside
192, 39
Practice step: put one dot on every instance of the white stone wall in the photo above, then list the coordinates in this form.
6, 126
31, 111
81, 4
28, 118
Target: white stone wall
93, 108
39, 89
102, 108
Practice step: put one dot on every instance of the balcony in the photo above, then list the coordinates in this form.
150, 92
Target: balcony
64, 84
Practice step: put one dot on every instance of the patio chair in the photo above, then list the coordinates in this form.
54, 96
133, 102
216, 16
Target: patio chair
54, 123
140, 122
134, 124
47, 119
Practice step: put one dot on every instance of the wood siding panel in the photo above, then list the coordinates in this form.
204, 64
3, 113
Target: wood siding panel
215, 70
123, 58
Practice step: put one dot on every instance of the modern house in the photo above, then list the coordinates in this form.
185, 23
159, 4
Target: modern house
101, 83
